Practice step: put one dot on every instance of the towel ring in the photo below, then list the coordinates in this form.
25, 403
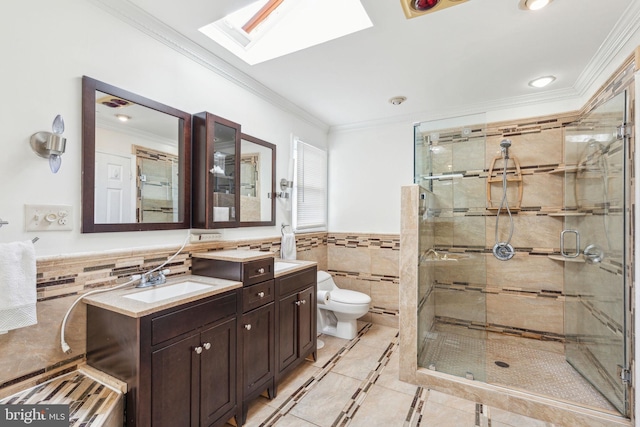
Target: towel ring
283, 227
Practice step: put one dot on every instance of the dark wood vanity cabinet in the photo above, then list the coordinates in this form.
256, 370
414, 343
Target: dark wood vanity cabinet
295, 319
256, 329
277, 327
180, 364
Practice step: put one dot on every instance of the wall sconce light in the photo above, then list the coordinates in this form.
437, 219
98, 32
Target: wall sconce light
50, 145
284, 185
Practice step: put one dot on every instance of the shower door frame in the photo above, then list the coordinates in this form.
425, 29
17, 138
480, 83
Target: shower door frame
591, 351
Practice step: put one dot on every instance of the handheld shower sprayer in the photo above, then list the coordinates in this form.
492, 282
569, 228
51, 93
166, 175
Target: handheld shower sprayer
503, 250
504, 147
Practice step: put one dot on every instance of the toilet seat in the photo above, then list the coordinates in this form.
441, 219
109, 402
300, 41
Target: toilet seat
345, 296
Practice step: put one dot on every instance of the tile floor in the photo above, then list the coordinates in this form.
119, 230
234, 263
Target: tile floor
355, 383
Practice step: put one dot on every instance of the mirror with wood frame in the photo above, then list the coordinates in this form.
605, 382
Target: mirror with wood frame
136, 162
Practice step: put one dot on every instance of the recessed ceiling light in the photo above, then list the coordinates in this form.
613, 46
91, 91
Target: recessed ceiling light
541, 81
397, 100
123, 118
533, 4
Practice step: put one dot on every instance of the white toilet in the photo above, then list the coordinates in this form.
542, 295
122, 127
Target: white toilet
337, 315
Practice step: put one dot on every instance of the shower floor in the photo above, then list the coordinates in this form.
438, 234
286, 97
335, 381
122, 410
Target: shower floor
535, 371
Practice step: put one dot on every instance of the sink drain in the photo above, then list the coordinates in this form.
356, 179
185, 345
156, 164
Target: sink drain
501, 364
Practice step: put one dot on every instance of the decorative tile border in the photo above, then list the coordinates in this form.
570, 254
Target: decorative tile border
90, 402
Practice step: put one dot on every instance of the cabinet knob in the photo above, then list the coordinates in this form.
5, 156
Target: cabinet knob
198, 349
247, 327
261, 294
304, 301
207, 345
261, 270
298, 303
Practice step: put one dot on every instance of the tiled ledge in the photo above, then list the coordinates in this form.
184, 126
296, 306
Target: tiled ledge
91, 402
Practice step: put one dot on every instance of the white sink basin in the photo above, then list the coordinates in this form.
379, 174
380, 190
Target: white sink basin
281, 265
166, 292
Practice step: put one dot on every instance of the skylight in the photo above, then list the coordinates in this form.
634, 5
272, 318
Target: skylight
268, 29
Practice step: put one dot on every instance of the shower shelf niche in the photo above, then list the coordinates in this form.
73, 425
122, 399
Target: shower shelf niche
565, 259
563, 214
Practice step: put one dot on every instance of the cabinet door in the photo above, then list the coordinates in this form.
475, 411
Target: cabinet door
215, 168
306, 320
287, 331
258, 352
174, 381
217, 372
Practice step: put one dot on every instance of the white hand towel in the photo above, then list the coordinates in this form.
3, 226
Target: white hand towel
288, 246
17, 285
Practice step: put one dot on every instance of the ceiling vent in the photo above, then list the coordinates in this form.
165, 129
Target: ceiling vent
413, 8
113, 102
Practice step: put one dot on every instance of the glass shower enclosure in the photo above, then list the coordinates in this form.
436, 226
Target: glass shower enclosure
552, 320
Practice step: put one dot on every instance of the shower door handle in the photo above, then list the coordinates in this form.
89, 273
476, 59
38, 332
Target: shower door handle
577, 252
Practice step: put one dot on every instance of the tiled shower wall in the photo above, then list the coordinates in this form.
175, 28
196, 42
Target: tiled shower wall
368, 263
520, 297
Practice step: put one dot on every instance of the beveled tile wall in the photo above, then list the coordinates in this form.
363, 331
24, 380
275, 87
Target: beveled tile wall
32, 355
523, 296
368, 263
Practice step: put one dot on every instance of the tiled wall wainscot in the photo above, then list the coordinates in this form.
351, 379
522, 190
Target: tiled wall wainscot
32, 355
368, 263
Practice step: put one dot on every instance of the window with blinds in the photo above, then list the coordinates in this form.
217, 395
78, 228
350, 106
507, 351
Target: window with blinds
309, 199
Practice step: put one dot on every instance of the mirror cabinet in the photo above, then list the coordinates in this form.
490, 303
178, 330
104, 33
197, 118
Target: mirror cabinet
136, 161
233, 175
142, 170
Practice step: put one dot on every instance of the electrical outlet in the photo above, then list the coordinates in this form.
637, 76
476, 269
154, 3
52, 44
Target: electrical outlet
205, 237
48, 217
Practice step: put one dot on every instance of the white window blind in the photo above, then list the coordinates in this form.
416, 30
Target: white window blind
309, 198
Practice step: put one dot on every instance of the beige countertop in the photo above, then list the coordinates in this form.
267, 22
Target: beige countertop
300, 265
115, 300
238, 255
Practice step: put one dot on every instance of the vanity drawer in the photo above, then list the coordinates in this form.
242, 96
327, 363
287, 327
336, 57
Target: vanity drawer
257, 271
248, 272
296, 281
183, 320
256, 295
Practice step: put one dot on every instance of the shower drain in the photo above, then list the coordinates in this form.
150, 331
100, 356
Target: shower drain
501, 364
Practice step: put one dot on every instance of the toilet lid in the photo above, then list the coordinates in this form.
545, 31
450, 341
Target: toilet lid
346, 296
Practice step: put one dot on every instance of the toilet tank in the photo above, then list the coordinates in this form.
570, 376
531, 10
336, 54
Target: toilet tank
325, 281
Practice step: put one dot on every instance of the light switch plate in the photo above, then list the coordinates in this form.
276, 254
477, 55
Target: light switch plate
48, 217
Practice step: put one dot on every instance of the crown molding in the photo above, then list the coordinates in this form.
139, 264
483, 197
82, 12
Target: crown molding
560, 95
626, 27
623, 31
149, 25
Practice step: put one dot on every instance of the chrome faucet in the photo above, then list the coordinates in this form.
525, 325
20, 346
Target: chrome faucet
150, 279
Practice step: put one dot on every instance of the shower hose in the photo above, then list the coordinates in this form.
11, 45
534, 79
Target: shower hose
503, 250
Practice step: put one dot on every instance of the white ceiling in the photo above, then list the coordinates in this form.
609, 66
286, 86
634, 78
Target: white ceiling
463, 58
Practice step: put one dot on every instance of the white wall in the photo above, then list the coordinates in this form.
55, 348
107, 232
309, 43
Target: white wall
46, 49
367, 168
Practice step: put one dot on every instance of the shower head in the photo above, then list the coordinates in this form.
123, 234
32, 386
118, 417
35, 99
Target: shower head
504, 147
